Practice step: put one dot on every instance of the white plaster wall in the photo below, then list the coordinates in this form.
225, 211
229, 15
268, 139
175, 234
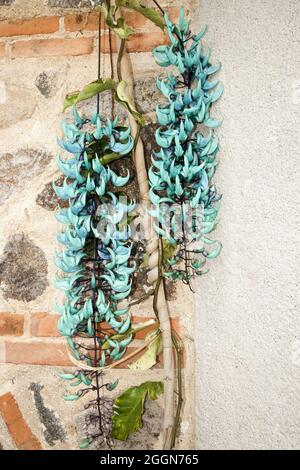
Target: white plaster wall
247, 314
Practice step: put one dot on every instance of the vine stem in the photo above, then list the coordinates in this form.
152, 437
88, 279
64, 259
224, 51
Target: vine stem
154, 250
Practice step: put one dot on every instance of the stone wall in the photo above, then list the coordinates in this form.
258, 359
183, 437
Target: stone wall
49, 48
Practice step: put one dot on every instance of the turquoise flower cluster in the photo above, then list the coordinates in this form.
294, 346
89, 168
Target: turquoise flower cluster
96, 262
184, 198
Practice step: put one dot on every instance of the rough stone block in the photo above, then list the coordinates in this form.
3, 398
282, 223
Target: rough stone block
23, 269
18, 168
147, 95
6, 2
46, 83
52, 427
17, 104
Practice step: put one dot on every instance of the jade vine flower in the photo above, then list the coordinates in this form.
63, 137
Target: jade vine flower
184, 198
96, 262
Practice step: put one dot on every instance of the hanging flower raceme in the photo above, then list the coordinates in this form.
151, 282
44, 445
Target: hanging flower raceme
96, 262
184, 198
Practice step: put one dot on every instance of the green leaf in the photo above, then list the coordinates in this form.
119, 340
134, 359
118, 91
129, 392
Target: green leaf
98, 86
168, 251
70, 100
150, 13
130, 407
111, 157
149, 358
122, 29
123, 98
90, 90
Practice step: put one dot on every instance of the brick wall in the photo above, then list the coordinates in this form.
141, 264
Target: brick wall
34, 339
49, 48
70, 35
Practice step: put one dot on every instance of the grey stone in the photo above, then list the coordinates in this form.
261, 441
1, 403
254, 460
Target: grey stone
48, 199
16, 170
23, 269
53, 429
140, 285
88, 107
6, 2
147, 95
46, 83
73, 3
148, 138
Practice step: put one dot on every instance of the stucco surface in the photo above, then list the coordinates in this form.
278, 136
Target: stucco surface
247, 314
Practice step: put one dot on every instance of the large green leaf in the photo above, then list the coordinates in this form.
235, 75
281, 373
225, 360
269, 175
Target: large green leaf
149, 13
70, 99
90, 90
124, 99
130, 407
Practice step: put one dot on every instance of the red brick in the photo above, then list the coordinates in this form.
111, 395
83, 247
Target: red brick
138, 42
90, 21
143, 333
19, 430
42, 25
2, 49
9, 408
32, 444
44, 324
50, 354
83, 21
145, 42
11, 324
138, 21
52, 47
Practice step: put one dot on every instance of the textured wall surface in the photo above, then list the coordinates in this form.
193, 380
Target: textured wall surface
246, 326
247, 319
49, 48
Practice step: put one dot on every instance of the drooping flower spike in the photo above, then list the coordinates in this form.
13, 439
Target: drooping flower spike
184, 198
96, 262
